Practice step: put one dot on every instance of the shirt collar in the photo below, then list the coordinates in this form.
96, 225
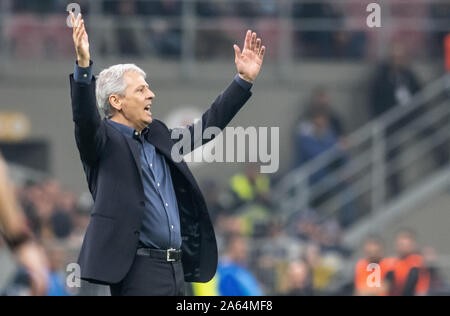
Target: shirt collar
124, 129
127, 130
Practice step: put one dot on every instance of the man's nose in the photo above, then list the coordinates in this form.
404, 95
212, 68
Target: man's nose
150, 95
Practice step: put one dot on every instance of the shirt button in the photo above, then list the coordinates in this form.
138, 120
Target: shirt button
167, 204
151, 165
136, 133
171, 226
158, 184
85, 75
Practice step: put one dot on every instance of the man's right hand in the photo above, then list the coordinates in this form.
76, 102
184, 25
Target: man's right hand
81, 41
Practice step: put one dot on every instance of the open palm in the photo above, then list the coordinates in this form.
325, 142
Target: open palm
249, 61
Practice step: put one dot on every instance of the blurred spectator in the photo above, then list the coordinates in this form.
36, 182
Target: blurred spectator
373, 254
299, 279
314, 137
272, 254
320, 102
250, 186
18, 236
438, 285
307, 226
317, 43
234, 278
57, 276
409, 275
438, 12
49, 209
323, 270
394, 85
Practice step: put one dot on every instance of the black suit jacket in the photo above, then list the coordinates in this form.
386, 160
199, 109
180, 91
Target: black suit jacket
112, 167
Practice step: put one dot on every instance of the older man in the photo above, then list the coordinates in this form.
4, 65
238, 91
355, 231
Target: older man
150, 230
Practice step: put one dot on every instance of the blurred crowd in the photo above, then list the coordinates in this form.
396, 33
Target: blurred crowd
57, 220
156, 27
262, 251
411, 271
320, 128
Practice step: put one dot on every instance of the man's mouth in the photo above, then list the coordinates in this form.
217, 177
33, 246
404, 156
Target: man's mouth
147, 109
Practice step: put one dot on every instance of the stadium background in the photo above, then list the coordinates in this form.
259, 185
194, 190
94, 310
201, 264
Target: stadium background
186, 49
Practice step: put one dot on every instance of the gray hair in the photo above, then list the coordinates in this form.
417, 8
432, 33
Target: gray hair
111, 81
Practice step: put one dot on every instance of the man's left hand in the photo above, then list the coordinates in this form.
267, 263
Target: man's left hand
249, 61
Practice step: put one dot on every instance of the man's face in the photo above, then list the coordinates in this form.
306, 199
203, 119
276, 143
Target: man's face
373, 251
137, 101
405, 245
239, 249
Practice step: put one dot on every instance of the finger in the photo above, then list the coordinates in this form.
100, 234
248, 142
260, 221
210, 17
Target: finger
261, 53
253, 43
81, 31
248, 40
78, 20
78, 35
76, 25
77, 31
237, 51
258, 45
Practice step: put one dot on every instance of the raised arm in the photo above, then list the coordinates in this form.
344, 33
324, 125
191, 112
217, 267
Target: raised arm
225, 107
81, 40
89, 132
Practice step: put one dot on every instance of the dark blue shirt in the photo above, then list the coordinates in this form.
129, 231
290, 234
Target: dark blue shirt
161, 223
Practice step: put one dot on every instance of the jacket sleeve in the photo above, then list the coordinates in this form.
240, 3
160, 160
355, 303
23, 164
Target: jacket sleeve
90, 133
219, 114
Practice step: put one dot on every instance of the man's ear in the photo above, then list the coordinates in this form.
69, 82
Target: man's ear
115, 102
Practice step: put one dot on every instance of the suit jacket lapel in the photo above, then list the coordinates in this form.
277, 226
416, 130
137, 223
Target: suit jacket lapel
135, 152
158, 138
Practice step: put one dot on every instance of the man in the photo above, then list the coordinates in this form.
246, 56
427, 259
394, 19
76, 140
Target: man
19, 237
394, 84
235, 279
409, 275
373, 254
147, 206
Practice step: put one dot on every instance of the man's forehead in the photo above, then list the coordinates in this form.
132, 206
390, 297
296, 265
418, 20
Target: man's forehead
133, 76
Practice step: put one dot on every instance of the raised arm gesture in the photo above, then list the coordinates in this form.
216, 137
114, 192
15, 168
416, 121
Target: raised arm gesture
80, 40
249, 61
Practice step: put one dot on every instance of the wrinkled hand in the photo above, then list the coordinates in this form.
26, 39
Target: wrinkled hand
249, 61
80, 40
